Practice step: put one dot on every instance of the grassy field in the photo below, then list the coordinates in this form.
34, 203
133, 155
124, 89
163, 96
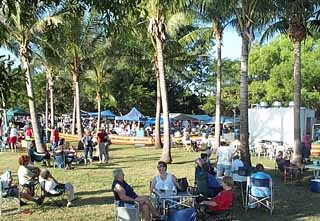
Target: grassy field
92, 185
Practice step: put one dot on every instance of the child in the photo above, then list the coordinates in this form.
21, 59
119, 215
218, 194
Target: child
223, 200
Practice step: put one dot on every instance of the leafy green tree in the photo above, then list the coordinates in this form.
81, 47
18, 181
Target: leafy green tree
9, 77
271, 66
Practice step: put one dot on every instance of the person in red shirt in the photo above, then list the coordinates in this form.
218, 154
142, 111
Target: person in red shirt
102, 139
28, 133
54, 138
223, 201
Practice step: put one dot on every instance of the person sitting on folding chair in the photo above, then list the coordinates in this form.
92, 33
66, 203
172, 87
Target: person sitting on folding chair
207, 183
39, 157
123, 192
28, 179
223, 201
260, 189
52, 186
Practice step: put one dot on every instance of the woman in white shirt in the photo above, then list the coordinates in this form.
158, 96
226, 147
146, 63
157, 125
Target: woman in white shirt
27, 177
52, 186
164, 181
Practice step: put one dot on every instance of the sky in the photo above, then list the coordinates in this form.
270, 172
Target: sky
231, 45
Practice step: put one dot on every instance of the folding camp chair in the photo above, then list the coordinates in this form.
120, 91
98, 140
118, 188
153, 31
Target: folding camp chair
263, 186
54, 198
126, 211
59, 159
6, 198
205, 214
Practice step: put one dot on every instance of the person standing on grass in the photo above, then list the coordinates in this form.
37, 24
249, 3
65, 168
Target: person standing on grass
224, 159
102, 140
13, 138
54, 138
87, 141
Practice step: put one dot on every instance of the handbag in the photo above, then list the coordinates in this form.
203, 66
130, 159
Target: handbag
182, 184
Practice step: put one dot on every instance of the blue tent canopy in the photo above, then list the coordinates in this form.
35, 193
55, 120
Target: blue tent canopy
201, 117
223, 120
152, 121
104, 114
133, 115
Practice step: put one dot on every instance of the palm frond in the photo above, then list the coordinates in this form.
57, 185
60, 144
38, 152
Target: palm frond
314, 25
176, 22
277, 27
49, 22
194, 35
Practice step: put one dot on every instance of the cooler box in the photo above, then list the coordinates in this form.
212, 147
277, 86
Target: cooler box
315, 185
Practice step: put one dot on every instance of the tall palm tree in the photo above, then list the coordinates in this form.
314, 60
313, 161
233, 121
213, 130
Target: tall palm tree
23, 29
157, 11
296, 19
99, 75
78, 36
219, 14
249, 14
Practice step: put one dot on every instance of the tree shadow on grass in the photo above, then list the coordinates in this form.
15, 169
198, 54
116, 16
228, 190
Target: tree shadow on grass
138, 160
292, 201
106, 167
93, 192
94, 201
183, 162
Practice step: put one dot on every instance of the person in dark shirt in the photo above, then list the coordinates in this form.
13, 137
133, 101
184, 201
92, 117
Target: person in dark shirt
124, 192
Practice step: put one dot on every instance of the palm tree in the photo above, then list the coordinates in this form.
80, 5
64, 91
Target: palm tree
157, 11
99, 76
219, 15
296, 19
250, 14
78, 37
21, 30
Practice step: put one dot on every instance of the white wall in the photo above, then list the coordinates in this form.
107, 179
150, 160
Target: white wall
275, 124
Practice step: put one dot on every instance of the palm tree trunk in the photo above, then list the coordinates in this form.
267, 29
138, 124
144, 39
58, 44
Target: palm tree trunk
51, 89
78, 113
73, 127
47, 109
244, 128
4, 106
218, 94
99, 110
297, 156
30, 93
166, 151
157, 139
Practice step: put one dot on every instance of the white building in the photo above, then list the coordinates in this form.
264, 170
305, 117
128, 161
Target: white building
276, 124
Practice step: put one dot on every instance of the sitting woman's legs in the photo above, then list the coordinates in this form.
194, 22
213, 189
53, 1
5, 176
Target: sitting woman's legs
145, 210
68, 187
145, 200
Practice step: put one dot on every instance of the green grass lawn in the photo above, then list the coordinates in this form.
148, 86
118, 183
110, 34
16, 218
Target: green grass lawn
92, 185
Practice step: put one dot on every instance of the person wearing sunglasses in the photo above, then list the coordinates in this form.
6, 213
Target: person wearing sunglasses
164, 181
